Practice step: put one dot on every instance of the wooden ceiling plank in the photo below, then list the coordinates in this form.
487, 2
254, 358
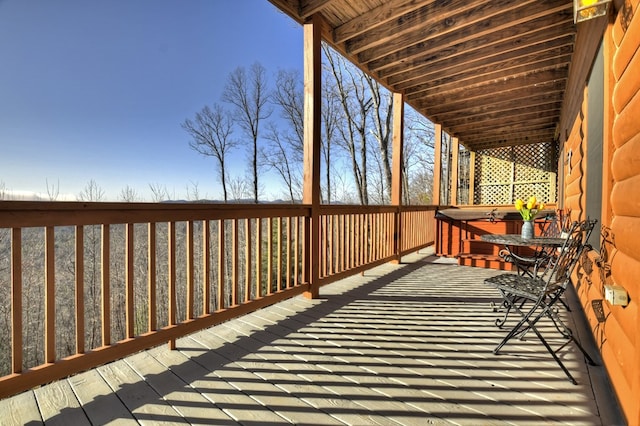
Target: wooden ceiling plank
522, 135
452, 87
506, 120
473, 24
491, 117
527, 83
379, 16
512, 142
467, 73
497, 115
463, 105
527, 136
504, 103
309, 7
522, 129
426, 22
500, 43
499, 111
507, 127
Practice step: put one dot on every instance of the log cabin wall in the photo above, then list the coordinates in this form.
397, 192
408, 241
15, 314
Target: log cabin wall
617, 259
573, 160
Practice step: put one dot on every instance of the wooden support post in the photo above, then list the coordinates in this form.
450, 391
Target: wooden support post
437, 164
396, 173
312, 135
455, 159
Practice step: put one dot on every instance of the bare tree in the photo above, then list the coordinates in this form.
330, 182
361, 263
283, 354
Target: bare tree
356, 104
289, 97
53, 191
249, 96
330, 121
279, 157
3, 190
91, 192
129, 195
382, 111
239, 188
286, 149
159, 192
193, 191
211, 136
418, 158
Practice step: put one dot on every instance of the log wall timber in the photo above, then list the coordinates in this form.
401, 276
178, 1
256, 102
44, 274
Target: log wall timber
615, 328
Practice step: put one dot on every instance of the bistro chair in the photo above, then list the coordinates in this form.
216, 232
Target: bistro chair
556, 226
535, 297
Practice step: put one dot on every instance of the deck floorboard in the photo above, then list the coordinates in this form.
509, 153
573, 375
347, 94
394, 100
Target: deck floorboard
407, 344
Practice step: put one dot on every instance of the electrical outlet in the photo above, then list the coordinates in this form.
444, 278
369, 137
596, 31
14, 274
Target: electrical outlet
616, 295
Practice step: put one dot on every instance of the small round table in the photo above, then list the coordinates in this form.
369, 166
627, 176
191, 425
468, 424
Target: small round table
525, 265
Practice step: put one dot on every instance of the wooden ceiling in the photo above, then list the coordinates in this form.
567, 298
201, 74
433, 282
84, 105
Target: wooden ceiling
492, 72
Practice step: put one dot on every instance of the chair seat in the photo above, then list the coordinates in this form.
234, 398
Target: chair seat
518, 285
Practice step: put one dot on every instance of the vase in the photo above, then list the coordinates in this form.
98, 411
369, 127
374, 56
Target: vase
527, 230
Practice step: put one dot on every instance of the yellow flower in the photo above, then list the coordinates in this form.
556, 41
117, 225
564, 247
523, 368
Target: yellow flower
531, 203
530, 209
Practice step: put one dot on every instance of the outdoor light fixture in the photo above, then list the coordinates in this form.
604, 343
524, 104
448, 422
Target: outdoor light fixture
588, 9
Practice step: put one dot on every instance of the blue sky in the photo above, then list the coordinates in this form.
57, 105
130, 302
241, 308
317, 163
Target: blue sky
97, 90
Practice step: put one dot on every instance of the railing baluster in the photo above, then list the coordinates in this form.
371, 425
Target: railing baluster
151, 277
247, 262
358, 242
288, 259
279, 255
340, 235
221, 266
332, 249
190, 270
129, 259
234, 263
296, 248
269, 256
50, 296
171, 266
16, 300
323, 246
105, 285
79, 288
259, 292
206, 269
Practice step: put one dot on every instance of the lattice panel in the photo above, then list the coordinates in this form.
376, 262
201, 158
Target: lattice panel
508, 173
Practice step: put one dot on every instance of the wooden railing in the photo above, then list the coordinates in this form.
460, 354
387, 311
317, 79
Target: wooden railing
82, 284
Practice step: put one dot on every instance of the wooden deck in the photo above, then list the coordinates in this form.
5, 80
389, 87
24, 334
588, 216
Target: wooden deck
406, 344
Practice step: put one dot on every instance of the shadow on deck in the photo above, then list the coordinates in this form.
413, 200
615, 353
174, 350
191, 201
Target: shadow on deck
403, 344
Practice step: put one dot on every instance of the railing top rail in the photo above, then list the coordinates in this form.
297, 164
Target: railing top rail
29, 214
22, 214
